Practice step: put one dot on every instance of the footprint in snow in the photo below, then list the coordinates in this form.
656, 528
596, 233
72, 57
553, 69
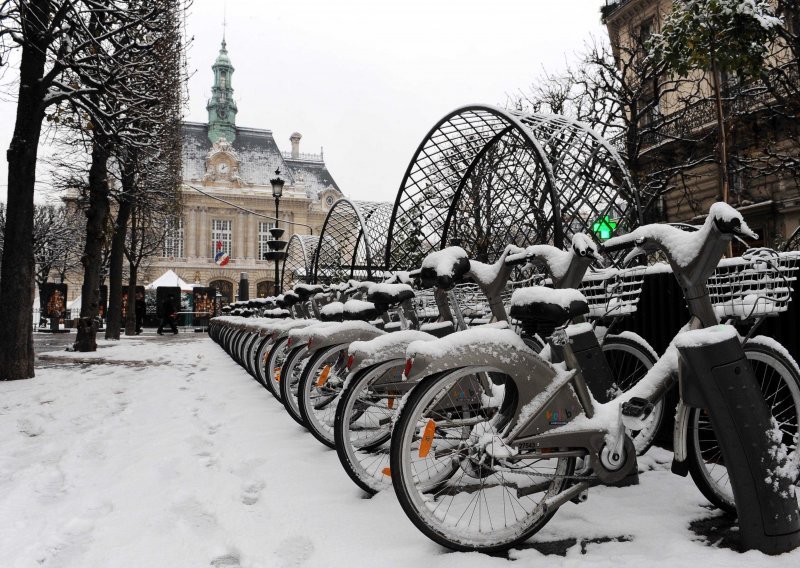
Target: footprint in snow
294, 551
192, 512
226, 561
29, 427
252, 492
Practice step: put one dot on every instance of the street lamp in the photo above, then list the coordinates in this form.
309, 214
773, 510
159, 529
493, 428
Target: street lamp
276, 245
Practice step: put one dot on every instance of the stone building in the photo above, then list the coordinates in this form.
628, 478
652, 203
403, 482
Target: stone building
680, 112
227, 167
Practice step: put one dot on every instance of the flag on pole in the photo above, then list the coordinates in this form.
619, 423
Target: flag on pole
221, 258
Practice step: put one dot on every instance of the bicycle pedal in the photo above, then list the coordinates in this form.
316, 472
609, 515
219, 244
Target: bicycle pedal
637, 408
635, 412
581, 497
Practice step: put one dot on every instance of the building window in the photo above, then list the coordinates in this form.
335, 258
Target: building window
221, 232
263, 237
173, 239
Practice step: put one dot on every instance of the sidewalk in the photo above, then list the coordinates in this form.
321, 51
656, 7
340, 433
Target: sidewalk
160, 451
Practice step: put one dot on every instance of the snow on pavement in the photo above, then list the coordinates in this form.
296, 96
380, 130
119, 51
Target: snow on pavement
170, 455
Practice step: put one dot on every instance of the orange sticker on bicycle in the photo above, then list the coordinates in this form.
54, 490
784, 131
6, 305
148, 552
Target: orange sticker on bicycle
387, 472
427, 438
277, 374
390, 403
323, 376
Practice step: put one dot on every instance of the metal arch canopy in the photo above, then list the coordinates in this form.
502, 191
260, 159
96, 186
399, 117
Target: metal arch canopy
793, 242
487, 177
298, 264
352, 243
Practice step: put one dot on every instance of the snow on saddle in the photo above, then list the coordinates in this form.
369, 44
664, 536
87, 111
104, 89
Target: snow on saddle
332, 312
359, 310
444, 268
539, 304
387, 295
305, 291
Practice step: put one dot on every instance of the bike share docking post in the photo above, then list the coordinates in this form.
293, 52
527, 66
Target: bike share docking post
715, 375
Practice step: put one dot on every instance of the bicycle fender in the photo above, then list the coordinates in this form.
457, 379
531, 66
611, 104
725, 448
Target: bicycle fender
385, 347
552, 403
715, 373
341, 333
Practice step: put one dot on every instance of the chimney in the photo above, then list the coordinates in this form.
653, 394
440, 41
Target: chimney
295, 138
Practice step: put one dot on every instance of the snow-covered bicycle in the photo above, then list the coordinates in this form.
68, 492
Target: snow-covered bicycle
509, 452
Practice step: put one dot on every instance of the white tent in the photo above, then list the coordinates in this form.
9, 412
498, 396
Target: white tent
169, 278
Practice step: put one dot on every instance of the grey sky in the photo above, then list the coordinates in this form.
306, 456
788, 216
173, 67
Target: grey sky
367, 79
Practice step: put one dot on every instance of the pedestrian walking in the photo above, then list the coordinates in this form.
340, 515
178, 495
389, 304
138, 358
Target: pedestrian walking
168, 313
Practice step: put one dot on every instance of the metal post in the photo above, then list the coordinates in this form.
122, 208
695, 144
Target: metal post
277, 271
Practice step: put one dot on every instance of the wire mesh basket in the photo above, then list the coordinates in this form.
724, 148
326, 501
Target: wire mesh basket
757, 284
613, 292
425, 305
473, 303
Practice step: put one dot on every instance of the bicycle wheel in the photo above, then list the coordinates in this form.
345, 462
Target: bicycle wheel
629, 361
291, 370
272, 369
452, 474
319, 389
779, 378
363, 425
260, 361
248, 355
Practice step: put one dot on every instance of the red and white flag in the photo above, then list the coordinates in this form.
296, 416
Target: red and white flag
221, 258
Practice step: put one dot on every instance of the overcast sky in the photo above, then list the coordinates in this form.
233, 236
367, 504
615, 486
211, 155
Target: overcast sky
367, 79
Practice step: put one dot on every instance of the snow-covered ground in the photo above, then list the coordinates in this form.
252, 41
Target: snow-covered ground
162, 452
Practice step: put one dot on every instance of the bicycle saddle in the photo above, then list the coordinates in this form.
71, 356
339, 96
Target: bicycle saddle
438, 328
444, 268
359, 310
290, 299
305, 291
545, 305
332, 312
277, 313
389, 294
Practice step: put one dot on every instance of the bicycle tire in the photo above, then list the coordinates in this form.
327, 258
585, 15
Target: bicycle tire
443, 526
365, 457
275, 359
629, 362
290, 379
261, 359
314, 418
778, 375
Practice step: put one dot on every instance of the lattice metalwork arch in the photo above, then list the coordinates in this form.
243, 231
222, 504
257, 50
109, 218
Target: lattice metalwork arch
488, 177
299, 263
793, 243
352, 243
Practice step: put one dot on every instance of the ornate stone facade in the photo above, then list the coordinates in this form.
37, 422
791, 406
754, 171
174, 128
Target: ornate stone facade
685, 111
226, 173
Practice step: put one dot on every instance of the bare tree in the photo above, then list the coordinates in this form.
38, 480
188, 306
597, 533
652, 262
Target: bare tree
55, 247
69, 56
149, 161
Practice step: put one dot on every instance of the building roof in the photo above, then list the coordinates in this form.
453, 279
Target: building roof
259, 157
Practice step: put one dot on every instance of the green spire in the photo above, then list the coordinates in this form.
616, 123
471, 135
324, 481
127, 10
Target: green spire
221, 107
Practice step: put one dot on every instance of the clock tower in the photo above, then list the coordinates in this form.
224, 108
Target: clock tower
221, 107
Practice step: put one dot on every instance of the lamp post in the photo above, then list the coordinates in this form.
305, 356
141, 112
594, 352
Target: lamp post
276, 245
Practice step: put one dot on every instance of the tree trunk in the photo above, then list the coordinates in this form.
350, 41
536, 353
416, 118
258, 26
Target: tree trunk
116, 260
16, 275
92, 259
723, 142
